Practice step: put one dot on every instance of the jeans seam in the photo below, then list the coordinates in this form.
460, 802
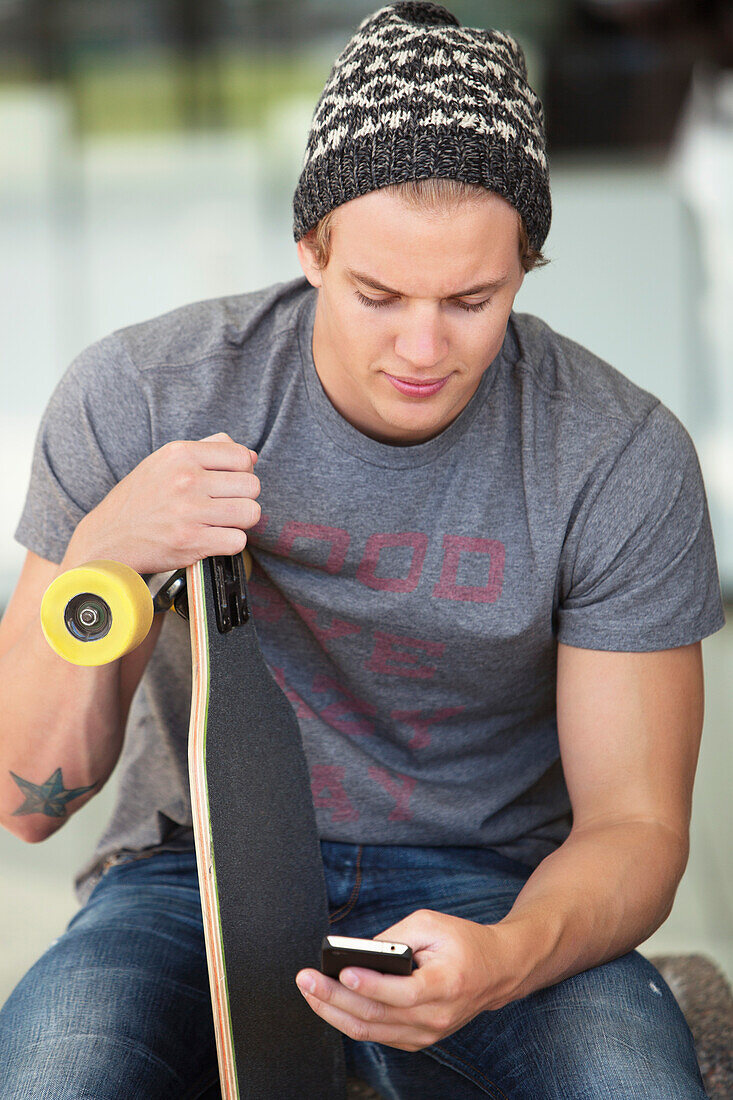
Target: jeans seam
349, 905
496, 1092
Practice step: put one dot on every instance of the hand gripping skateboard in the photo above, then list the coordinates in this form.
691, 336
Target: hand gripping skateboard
263, 893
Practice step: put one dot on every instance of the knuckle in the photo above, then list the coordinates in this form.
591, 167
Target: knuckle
359, 1031
215, 437
202, 550
229, 541
186, 538
234, 540
184, 480
441, 1022
455, 987
246, 514
178, 452
376, 1011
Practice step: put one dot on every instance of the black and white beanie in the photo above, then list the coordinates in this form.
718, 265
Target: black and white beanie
414, 95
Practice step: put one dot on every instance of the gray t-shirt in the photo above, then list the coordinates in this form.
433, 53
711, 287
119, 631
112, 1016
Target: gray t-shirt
408, 599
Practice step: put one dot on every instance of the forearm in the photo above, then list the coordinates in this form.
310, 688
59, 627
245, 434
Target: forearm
55, 715
59, 720
599, 895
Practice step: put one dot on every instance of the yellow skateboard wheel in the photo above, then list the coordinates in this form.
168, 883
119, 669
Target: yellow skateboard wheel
96, 613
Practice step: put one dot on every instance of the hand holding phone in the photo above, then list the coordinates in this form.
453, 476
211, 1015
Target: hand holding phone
338, 952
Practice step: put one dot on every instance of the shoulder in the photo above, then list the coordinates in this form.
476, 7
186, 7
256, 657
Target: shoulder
573, 380
209, 330
584, 410
181, 357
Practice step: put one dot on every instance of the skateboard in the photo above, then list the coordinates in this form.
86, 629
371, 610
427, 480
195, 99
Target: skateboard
263, 894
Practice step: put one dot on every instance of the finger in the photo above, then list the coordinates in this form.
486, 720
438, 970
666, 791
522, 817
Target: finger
398, 1035
223, 455
226, 483
241, 512
399, 990
222, 437
329, 991
332, 992
219, 541
386, 1003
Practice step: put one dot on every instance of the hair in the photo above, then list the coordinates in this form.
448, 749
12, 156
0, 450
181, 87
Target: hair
435, 195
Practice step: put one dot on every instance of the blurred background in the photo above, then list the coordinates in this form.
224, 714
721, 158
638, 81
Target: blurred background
149, 150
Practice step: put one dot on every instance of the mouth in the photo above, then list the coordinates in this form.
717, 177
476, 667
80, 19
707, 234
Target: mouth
413, 387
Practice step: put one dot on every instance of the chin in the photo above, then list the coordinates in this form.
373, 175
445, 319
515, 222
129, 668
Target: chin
408, 430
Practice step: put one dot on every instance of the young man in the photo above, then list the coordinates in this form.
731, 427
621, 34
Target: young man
483, 567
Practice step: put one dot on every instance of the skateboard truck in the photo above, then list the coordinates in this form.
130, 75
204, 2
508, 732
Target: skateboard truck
228, 579
173, 595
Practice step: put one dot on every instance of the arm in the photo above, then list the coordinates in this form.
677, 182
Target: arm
74, 722
629, 726
629, 730
63, 726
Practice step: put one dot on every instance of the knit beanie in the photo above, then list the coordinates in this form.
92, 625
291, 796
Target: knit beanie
414, 95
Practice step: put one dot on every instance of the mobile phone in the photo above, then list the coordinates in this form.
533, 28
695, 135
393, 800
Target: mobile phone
382, 955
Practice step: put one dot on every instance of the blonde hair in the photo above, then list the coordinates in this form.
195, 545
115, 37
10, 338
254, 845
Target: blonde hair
434, 195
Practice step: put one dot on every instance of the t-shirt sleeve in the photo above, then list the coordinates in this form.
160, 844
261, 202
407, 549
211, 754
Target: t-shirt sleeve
94, 431
639, 571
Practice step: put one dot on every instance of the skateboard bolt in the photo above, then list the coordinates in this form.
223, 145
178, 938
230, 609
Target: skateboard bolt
89, 616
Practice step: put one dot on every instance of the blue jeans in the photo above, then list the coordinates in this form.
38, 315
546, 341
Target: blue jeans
119, 1005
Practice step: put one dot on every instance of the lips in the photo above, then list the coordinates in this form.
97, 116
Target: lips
414, 388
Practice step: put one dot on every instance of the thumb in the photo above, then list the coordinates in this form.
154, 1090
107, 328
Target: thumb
421, 929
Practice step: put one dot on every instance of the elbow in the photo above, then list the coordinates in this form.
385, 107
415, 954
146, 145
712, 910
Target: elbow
678, 851
675, 860
31, 831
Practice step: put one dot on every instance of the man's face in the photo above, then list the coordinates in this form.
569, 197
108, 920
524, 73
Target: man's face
403, 364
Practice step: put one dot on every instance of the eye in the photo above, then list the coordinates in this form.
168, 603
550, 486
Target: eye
475, 308
373, 303
377, 303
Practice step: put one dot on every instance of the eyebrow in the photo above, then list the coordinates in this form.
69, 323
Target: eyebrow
368, 280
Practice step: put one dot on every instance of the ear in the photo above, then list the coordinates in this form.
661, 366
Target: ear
311, 271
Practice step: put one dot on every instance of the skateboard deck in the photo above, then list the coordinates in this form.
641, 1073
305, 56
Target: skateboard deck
262, 884
263, 894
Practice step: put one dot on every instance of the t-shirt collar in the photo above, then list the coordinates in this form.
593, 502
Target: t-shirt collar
349, 438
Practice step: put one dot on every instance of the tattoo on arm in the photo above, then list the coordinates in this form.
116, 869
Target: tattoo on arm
49, 798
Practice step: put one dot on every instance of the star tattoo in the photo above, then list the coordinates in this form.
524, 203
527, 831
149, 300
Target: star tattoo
47, 798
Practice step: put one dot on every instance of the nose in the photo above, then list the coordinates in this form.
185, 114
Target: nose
420, 339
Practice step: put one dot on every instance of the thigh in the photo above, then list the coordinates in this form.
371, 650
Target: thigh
121, 996
615, 1030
